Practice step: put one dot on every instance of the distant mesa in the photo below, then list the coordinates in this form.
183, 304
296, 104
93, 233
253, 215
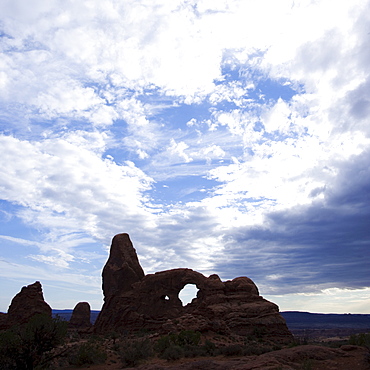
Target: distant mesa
135, 301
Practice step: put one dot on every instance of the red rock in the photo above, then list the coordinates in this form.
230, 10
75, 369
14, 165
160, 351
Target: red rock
3, 320
122, 268
80, 318
27, 303
134, 301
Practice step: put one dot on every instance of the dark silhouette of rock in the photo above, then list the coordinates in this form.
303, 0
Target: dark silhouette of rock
139, 301
3, 320
27, 303
122, 268
80, 318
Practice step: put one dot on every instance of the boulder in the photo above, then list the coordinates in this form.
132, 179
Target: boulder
80, 318
134, 301
26, 304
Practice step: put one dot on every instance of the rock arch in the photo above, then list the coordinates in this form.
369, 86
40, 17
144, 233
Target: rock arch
134, 301
188, 293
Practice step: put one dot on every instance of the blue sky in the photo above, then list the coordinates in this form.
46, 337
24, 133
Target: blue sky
226, 136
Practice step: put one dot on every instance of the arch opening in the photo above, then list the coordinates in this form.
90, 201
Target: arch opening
165, 297
188, 293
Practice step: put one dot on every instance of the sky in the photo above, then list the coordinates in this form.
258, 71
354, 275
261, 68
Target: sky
231, 137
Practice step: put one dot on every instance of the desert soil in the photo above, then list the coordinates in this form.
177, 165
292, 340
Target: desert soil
311, 357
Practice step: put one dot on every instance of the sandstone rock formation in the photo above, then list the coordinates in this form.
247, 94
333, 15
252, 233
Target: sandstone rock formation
3, 321
134, 301
27, 303
80, 318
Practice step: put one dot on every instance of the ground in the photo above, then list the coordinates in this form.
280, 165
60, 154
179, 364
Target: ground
333, 354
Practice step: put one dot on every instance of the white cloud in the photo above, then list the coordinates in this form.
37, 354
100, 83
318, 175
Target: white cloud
278, 118
61, 180
60, 261
332, 300
178, 150
96, 66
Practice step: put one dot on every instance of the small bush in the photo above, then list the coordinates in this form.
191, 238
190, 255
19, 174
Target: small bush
257, 349
307, 364
89, 353
184, 339
26, 346
232, 350
188, 337
362, 339
134, 352
163, 343
194, 351
173, 353
210, 348
10, 344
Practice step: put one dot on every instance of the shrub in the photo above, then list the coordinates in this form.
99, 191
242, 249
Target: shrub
232, 350
194, 351
173, 353
9, 347
26, 346
163, 343
134, 352
186, 338
210, 348
88, 353
362, 339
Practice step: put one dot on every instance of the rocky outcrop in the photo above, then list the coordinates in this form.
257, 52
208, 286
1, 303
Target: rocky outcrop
3, 320
26, 304
135, 301
122, 268
80, 318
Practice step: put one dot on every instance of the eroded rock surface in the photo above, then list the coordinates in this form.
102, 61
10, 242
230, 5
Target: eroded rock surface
3, 320
134, 301
80, 318
27, 303
122, 268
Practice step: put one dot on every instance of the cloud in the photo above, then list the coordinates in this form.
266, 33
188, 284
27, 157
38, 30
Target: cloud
230, 134
311, 247
60, 261
63, 183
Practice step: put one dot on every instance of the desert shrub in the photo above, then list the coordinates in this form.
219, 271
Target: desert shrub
9, 345
88, 353
26, 346
114, 336
307, 364
173, 353
163, 343
362, 339
258, 349
135, 351
194, 351
185, 343
210, 348
232, 350
186, 338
